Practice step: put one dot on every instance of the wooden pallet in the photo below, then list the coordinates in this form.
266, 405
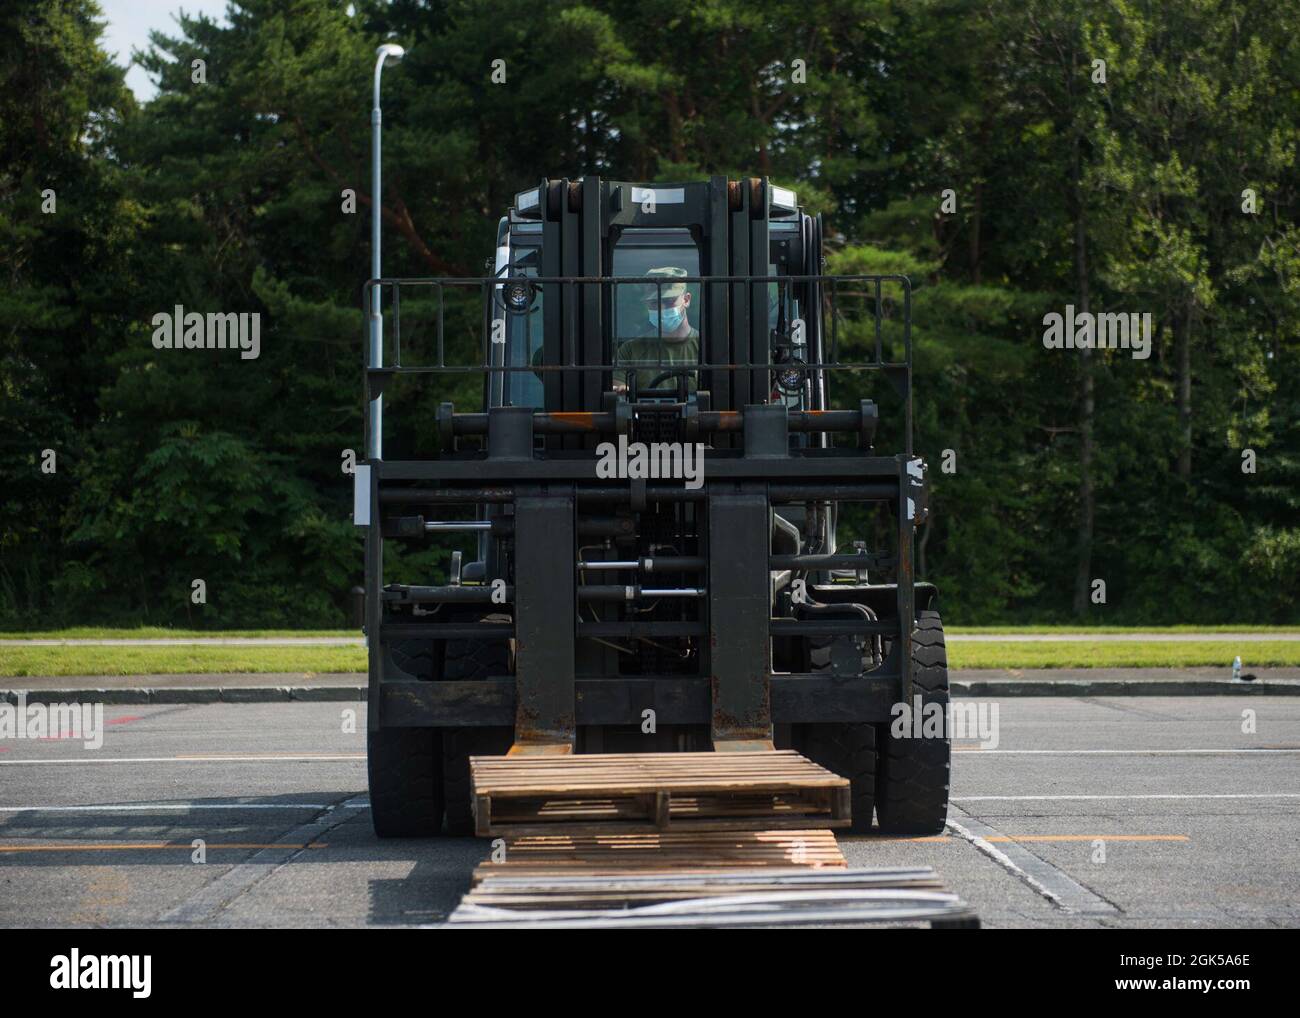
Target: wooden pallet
676, 852
636, 792
753, 897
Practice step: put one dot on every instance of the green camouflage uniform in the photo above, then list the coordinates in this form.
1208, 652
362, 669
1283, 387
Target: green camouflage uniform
651, 350
659, 354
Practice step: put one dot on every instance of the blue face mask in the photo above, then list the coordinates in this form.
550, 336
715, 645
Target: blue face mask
672, 318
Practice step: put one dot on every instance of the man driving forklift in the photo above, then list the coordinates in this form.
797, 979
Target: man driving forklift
671, 340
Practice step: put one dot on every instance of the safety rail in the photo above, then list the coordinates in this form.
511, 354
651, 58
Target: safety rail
758, 312
530, 286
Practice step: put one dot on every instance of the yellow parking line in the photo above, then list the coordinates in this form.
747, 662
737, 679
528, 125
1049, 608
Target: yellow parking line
270, 756
1052, 837
1091, 837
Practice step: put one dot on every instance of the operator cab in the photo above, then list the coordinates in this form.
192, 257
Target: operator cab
625, 243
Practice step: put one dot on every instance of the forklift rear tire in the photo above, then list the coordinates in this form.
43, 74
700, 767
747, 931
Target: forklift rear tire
912, 773
848, 750
471, 660
415, 657
404, 766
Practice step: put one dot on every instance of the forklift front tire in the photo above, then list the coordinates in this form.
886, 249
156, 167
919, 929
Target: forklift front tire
471, 661
912, 772
405, 770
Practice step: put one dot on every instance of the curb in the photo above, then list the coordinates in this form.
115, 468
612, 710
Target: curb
357, 694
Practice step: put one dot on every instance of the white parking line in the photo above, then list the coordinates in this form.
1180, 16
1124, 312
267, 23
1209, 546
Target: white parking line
974, 751
1087, 798
134, 807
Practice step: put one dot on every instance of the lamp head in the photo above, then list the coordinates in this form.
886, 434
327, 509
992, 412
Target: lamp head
391, 52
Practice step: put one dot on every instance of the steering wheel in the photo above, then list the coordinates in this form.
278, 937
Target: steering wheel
663, 376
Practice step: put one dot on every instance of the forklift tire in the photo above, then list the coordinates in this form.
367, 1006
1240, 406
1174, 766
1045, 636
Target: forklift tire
848, 750
912, 773
467, 661
404, 766
415, 657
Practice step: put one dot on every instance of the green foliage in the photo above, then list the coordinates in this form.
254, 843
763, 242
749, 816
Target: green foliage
228, 196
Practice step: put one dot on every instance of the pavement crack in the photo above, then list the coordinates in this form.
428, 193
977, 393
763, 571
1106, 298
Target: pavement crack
220, 894
1124, 708
1057, 886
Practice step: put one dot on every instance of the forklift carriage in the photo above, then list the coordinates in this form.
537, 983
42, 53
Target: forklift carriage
648, 612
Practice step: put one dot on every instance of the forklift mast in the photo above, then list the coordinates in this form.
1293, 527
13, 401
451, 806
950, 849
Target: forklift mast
713, 605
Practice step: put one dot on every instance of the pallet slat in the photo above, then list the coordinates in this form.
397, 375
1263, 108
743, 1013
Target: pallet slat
679, 840
671, 852
656, 791
783, 896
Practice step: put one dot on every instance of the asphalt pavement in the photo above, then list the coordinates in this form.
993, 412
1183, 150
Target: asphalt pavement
1132, 811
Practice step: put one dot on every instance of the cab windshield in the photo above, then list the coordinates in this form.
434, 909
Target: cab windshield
657, 323
637, 339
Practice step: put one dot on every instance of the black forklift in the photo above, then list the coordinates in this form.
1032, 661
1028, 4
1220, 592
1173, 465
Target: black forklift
654, 562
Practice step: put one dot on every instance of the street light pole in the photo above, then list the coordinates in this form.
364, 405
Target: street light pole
386, 55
